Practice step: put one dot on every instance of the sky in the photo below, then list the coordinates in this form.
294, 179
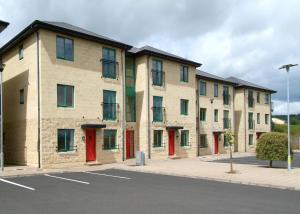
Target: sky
248, 39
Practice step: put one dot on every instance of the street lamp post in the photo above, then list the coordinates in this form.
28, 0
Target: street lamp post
287, 67
3, 25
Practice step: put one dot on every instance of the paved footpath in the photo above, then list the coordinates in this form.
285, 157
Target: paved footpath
200, 167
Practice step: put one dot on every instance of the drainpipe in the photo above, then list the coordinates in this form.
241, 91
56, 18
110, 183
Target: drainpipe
233, 116
123, 123
197, 117
148, 108
39, 104
245, 117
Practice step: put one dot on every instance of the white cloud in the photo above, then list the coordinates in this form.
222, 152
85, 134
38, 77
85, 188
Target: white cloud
280, 107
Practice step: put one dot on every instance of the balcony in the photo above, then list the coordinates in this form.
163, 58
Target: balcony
250, 102
251, 124
110, 69
226, 123
110, 111
158, 114
158, 77
226, 99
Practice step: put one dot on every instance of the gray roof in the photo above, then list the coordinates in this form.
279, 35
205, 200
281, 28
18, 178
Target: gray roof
206, 75
151, 50
243, 83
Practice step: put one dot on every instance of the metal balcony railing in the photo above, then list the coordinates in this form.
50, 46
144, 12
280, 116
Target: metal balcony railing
226, 99
158, 113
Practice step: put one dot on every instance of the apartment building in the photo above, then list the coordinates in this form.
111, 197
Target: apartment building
73, 97
252, 112
215, 112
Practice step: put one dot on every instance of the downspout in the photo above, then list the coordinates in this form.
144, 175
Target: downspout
148, 108
245, 116
197, 117
39, 104
123, 123
233, 118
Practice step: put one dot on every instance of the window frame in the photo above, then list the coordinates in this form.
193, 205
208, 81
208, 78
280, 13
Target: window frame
108, 73
216, 115
157, 135
184, 73
201, 93
157, 108
267, 99
258, 97
109, 113
205, 144
109, 133
184, 138
184, 107
157, 73
258, 118
267, 119
226, 95
203, 114
67, 148
216, 90
64, 105
58, 56
250, 136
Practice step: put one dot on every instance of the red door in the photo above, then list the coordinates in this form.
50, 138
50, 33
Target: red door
129, 144
171, 142
90, 140
216, 143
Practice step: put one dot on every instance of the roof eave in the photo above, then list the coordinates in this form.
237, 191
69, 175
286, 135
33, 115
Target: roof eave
257, 88
216, 80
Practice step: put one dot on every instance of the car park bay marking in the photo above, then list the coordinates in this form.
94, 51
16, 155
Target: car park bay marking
16, 184
107, 175
67, 179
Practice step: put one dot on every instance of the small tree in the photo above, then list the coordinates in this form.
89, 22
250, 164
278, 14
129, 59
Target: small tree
229, 137
272, 146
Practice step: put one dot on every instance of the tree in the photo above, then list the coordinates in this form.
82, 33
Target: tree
272, 146
229, 138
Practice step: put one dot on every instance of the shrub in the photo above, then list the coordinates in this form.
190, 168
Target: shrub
272, 146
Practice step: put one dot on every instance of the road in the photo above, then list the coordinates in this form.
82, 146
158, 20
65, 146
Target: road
116, 191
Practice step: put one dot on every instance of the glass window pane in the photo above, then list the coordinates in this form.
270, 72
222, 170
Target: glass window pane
61, 96
69, 96
69, 52
60, 47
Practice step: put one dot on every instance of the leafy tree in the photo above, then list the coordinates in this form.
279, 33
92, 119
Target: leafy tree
272, 146
229, 138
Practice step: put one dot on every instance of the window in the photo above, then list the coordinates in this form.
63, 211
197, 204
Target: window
250, 139
110, 139
266, 119
226, 119
267, 99
258, 97
203, 141
109, 63
250, 99
202, 114
157, 72
226, 95
184, 138
216, 90
202, 88
184, 105
184, 74
157, 109
216, 115
250, 120
65, 140
109, 105
65, 96
157, 138
21, 52
130, 89
64, 48
22, 96
258, 118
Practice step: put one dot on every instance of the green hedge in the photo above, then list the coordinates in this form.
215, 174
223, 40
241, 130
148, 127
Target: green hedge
272, 146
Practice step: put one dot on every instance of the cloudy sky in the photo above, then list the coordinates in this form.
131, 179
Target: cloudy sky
248, 39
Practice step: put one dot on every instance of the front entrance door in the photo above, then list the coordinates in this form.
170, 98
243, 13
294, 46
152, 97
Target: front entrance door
129, 144
90, 141
216, 136
171, 142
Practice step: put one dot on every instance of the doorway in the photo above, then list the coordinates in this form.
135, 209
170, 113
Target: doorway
129, 144
90, 140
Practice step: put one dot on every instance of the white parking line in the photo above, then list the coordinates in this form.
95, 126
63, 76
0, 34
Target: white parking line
107, 175
67, 179
16, 184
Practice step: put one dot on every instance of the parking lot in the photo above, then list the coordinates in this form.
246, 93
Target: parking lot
117, 191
